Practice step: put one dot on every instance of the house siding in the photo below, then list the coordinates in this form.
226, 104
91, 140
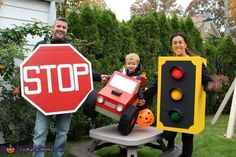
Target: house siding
201, 24
18, 12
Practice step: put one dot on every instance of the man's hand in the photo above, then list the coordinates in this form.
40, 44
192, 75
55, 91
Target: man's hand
104, 78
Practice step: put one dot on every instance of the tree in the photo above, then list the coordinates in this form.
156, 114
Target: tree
170, 7
194, 36
109, 36
143, 7
167, 5
84, 27
11, 43
165, 33
16, 114
174, 22
127, 35
227, 48
212, 8
146, 34
68, 5
220, 57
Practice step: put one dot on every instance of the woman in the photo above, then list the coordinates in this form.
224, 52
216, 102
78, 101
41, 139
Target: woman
180, 49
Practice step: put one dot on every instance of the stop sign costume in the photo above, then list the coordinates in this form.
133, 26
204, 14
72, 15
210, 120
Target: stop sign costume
56, 78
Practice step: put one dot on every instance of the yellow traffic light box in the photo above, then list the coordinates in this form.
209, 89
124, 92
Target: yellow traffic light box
181, 98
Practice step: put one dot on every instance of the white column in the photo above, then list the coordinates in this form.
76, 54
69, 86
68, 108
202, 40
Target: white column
224, 102
232, 116
52, 12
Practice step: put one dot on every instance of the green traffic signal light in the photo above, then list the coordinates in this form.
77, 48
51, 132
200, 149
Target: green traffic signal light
175, 115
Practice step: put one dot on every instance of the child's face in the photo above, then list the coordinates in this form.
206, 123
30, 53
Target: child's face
131, 65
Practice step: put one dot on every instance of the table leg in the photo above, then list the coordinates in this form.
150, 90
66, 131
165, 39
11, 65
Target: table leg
132, 151
93, 145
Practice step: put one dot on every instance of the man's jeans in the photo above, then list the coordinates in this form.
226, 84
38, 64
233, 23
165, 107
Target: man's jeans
42, 124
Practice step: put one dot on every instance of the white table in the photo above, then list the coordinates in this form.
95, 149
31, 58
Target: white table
137, 137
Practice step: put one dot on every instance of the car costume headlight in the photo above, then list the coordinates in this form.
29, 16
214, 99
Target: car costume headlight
119, 108
100, 99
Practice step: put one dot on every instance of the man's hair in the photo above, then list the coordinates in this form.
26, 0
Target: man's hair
132, 56
62, 19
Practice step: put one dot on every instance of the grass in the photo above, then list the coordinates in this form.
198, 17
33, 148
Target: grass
210, 142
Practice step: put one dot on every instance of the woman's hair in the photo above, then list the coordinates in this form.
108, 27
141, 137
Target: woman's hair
132, 56
188, 51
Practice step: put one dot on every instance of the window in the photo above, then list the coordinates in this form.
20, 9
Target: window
123, 84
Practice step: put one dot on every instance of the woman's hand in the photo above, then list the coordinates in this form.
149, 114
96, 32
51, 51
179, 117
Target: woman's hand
218, 82
141, 102
214, 86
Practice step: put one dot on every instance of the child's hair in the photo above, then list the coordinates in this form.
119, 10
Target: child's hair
132, 56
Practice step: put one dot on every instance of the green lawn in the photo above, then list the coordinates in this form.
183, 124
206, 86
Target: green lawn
210, 142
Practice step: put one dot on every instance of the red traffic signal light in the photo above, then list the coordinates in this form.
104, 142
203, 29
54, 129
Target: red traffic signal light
177, 72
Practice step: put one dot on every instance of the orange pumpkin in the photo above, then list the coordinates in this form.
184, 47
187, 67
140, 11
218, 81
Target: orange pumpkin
10, 149
145, 118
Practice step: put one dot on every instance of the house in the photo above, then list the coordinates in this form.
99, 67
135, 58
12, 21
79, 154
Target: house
18, 12
206, 26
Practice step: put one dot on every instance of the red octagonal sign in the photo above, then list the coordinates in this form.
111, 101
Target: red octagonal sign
56, 78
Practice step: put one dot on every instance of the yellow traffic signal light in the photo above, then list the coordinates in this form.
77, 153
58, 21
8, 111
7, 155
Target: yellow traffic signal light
181, 98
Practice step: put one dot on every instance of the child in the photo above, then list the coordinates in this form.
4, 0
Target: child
134, 69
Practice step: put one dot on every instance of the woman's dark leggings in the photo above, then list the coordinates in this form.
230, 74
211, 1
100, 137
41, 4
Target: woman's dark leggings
187, 140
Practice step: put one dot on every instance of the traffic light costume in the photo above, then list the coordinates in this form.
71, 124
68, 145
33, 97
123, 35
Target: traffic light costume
181, 96
179, 44
169, 135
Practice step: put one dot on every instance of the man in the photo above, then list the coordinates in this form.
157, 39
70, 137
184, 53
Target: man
42, 123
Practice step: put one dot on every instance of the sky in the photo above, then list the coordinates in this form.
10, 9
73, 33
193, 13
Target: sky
122, 7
